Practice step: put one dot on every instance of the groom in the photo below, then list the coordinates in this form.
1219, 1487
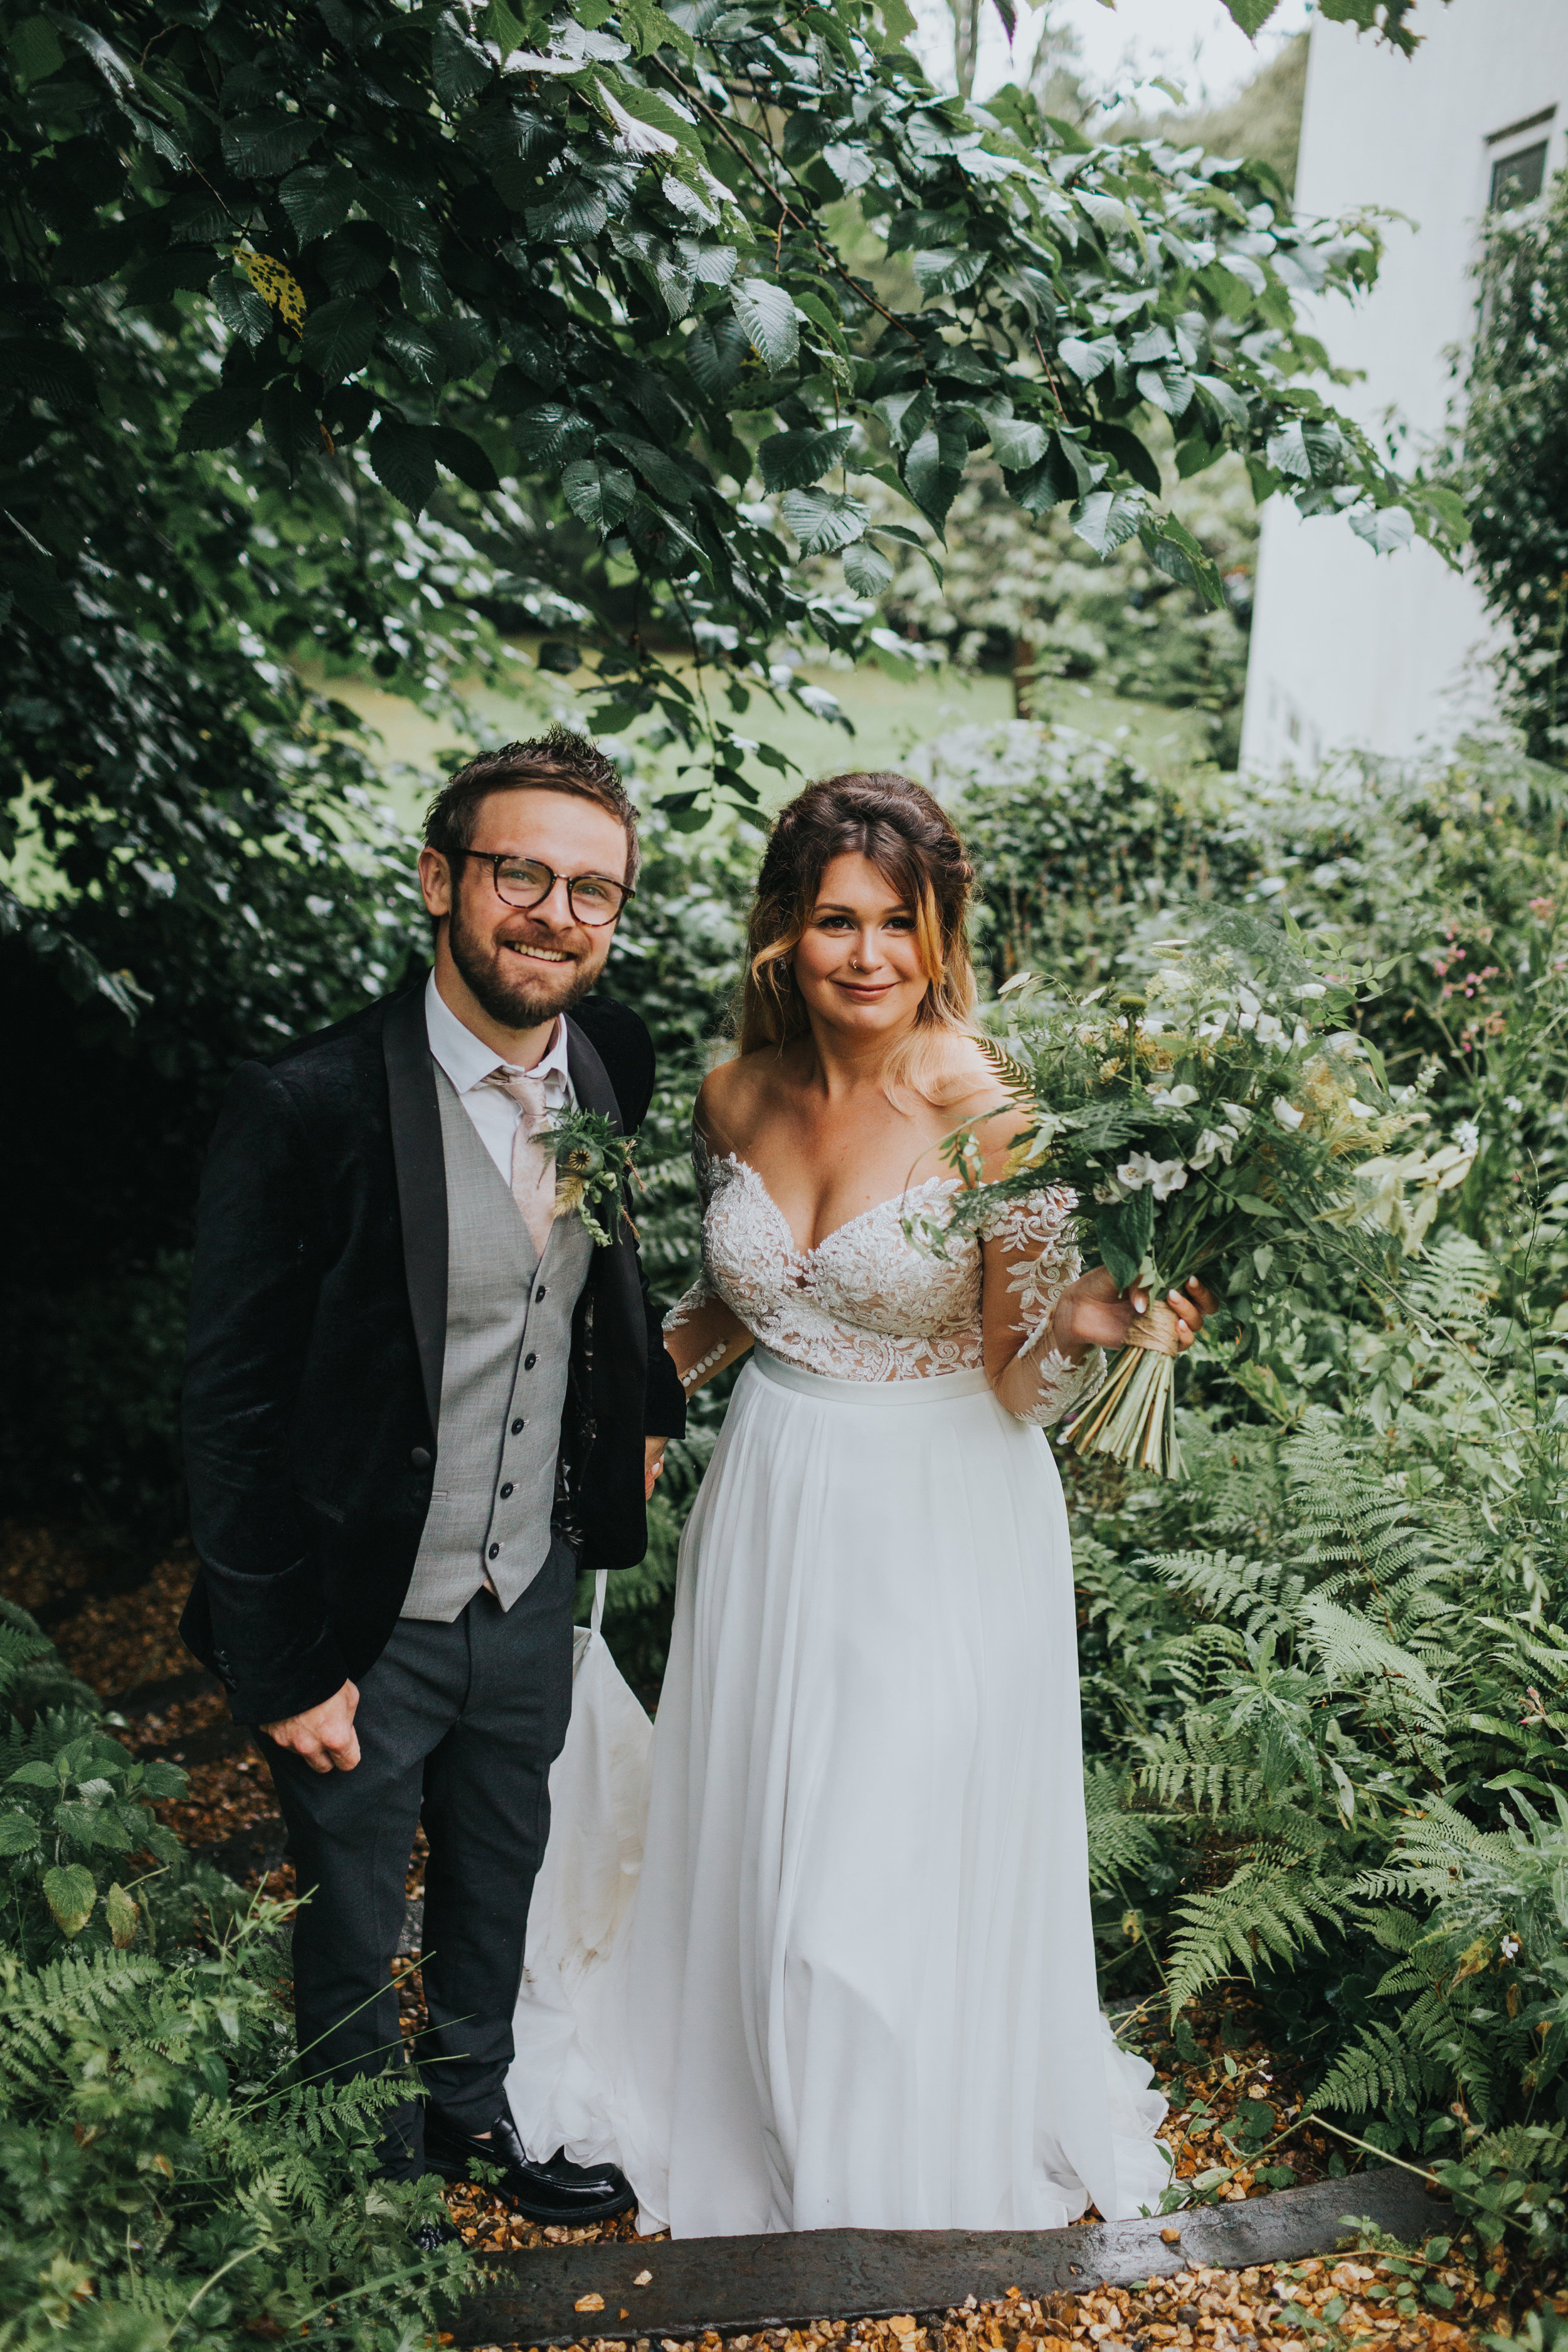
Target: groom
416, 1407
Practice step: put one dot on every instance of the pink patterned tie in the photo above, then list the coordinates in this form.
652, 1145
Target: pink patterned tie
532, 1168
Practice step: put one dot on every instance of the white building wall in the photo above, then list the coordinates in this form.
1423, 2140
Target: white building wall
1349, 648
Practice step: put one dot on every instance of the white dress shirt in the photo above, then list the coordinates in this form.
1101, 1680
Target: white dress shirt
468, 1061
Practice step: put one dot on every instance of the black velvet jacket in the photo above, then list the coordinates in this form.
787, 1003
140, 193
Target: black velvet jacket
316, 1337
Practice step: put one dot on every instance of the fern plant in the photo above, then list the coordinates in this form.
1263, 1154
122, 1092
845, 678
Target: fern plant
167, 2174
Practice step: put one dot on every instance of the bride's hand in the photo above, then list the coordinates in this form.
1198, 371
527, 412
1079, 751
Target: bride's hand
1092, 1313
653, 1463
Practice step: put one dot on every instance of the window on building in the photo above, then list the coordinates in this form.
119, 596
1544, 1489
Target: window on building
1518, 179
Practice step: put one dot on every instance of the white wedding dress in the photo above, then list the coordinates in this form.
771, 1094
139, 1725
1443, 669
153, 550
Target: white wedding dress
815, 1951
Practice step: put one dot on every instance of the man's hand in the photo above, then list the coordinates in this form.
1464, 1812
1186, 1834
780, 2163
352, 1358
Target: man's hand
1092, 1313
652, 1463
325, 1735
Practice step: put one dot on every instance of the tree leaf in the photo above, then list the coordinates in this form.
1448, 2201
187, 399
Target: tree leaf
1385, 529
261, 145
339, 337
1131, 454
867, 569
316, 199
403, 458
70, 1895
1106, 520
1086, 360
463, 456
35, 1776
948, 269
216, 420
123, 1914
574, 208
597, 494
932, 479
54, 371
824, 519
1017, 442
459, 68
551, 432
766, 314
792, 461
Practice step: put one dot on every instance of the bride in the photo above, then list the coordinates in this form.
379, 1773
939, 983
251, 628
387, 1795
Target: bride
854, 1982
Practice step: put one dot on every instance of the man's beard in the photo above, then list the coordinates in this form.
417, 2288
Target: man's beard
519, 1003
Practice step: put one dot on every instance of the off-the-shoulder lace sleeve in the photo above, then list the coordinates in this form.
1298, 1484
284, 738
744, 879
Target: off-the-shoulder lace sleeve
701, 1304
1031, 1256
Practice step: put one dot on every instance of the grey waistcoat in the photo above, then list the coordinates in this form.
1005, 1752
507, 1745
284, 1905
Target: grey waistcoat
503, 1382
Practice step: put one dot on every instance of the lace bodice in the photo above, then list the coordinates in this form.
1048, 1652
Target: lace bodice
867, 1304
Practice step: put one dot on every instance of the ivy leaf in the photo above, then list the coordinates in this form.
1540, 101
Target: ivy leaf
792, 461
70, 1895
339, 337
597, 494
824, 519
1105, 520
463, 456
766, 314
867, 569
403, 458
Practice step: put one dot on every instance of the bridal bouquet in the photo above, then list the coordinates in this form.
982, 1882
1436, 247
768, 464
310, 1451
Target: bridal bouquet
1221, 1119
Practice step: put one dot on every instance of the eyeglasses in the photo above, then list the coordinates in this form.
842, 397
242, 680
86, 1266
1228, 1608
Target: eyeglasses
594, 898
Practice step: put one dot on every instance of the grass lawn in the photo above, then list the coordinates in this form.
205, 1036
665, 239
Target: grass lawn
888, 716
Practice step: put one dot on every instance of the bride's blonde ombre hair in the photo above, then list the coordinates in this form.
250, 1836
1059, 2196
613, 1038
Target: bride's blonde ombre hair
912, 841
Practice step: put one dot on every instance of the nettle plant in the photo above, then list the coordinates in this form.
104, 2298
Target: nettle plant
591, 265
73, 1806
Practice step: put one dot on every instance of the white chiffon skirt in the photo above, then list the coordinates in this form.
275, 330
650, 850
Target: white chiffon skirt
815, 1952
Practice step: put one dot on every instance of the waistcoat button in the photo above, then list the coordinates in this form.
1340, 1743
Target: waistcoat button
528, 1362
517, 1429
421, 1457
506, 1490
539, 1292
495, 1551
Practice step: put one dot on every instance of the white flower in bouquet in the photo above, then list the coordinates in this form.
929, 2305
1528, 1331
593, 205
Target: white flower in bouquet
1207, 1131
1162, 1176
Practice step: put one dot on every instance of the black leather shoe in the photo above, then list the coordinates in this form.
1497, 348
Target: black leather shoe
431, 2236
552, 2192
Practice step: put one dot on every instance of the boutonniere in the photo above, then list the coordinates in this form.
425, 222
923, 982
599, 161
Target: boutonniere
592, 1163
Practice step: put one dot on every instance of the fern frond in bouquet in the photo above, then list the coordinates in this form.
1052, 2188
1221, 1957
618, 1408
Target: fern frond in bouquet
1222, 1119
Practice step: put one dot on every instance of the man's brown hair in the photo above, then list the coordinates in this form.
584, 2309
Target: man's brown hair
557, 762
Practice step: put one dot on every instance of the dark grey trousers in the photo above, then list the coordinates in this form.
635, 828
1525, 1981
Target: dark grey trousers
458, 1724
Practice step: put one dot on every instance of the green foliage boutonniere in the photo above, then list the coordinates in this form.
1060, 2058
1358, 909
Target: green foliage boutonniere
592, 1163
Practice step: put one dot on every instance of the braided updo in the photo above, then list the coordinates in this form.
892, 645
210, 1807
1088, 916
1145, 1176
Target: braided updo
910, 840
